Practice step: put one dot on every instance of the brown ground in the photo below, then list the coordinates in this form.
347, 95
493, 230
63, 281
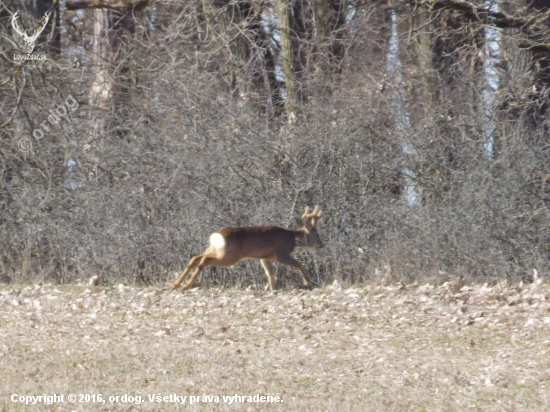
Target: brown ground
373, 348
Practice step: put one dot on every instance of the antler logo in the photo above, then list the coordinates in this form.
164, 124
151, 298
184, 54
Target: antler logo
29, 40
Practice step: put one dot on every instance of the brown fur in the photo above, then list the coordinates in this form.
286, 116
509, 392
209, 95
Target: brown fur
267, 243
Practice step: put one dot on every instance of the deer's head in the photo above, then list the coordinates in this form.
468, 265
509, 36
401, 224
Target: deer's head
308, 225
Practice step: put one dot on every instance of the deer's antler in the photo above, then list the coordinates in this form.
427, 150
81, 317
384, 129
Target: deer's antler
41, 28
315, 215
16, 26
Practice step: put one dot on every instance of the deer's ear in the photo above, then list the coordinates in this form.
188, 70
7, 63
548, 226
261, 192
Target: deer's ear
299, 222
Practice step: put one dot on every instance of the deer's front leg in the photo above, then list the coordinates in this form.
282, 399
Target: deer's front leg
290, 261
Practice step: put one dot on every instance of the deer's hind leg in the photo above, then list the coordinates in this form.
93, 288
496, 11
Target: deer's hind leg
210, 259
268, 267
195, 261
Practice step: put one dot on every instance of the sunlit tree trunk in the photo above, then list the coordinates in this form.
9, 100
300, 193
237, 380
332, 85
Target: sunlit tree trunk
402, 123
101, 89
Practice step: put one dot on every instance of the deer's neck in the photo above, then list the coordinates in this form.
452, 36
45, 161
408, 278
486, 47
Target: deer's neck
300, 238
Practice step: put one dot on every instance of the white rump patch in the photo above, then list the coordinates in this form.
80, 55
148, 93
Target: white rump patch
217, 240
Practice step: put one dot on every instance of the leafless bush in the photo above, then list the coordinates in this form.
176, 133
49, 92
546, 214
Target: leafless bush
193, 139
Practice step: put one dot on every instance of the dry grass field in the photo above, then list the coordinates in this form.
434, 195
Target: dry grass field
372, 348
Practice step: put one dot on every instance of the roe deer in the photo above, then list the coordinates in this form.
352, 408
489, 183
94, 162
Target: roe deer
267, 243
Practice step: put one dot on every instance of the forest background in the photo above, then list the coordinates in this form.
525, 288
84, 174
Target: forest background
420, 127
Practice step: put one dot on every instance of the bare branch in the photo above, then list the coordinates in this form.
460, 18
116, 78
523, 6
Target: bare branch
119, 5
487, 16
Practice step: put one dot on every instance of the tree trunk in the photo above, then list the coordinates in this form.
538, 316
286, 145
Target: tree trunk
101, 89
330, 17
293, 99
